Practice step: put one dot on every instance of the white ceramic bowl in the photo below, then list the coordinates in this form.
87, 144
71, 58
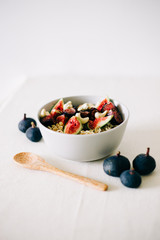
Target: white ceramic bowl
84, 147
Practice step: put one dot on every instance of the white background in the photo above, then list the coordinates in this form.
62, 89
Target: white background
95, 38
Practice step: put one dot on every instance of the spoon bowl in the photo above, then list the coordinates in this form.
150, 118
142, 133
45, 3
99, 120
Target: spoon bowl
29, 160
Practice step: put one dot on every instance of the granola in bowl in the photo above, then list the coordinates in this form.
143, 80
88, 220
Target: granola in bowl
83, 119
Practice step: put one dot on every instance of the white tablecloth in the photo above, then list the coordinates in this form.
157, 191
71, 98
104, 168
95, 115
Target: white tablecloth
39, 205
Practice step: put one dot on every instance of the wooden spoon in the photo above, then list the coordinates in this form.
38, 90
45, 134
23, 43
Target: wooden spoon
33, 161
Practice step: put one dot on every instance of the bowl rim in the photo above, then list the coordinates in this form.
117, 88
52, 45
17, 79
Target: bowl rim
82, 135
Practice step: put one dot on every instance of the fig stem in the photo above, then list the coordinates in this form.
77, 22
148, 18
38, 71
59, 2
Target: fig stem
132, 171
147, 153
24, 116
33, 125
118, 153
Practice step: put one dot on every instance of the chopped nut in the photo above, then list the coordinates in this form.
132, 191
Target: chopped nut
99, 114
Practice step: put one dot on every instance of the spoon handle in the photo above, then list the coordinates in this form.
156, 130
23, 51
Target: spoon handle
84, 180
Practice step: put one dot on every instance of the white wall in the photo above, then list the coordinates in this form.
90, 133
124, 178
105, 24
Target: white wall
87, 37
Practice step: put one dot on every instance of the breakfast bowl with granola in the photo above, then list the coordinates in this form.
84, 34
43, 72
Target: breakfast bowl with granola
83, 128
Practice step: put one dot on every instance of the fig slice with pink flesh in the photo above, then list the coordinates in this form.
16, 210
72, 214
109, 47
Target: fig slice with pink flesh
99, 122
58, 106
73, 126
100, 105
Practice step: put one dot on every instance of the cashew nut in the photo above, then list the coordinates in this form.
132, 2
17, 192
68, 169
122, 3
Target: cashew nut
83, 120
44, 113
99, 114
67, 105
85, 106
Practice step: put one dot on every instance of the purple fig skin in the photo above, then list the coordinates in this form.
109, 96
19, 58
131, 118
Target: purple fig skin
84, 113
115, 165
144, 164
25, 123
92, 114
130, 178
70, 112
33, 133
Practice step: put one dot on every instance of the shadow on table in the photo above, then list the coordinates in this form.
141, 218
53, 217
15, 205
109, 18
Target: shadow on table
151, 181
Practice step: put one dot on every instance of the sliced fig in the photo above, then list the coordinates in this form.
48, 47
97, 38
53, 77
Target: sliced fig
84, 113
113, 110
117, 115
92, 113
108, 106
55, 113
62, 118
47, 120
99, 122
70, 112
100, 105
73, 126
58, 106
